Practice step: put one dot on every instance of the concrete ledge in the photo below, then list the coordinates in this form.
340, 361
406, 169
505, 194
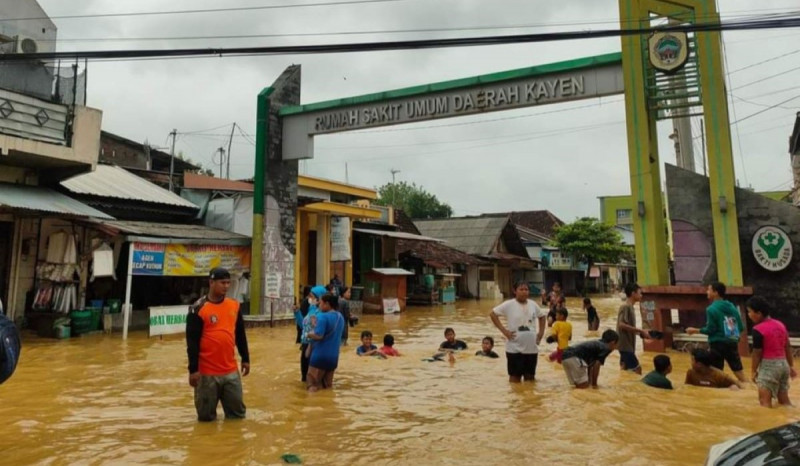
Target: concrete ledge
251, 321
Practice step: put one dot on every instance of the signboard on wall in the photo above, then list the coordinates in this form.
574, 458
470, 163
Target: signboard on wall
340, 239
168, 320
187, 260
391, 305
148, 259
772, 248
272, 286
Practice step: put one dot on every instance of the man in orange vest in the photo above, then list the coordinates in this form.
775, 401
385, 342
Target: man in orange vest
214, 326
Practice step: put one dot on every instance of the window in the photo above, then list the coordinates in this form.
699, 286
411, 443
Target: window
624, 216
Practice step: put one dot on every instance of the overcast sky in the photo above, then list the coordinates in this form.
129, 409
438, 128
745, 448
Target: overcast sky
569, 157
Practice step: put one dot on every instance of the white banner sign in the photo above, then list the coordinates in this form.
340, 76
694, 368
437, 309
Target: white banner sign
273, 285
340, 239
391, 305
168, 320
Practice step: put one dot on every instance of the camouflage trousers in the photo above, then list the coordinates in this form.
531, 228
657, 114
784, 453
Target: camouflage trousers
215, 388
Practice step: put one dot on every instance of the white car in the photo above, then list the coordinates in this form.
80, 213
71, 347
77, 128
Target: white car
779, 446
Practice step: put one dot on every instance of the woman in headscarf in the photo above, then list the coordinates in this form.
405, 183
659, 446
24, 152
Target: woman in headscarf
301, 313
309, 322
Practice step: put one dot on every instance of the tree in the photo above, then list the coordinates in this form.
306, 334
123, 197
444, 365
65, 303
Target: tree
590, 240
413, 200
201, 169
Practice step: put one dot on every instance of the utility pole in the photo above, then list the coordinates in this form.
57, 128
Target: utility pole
703, 145
394, 186
230, 140
681, 124
221, 152
174, 134
346, 174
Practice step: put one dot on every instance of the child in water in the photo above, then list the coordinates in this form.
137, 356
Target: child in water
486, 348
561, 332
388, 346
367, 348
591, 314
658, 378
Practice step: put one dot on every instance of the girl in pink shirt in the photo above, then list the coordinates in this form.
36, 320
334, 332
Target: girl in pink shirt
388, 346
772, 360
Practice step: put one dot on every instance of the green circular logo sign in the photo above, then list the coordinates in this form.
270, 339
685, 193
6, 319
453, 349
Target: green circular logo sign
772, 248
668, 51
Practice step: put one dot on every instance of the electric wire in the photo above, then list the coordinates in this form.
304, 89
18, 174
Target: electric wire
403, 45
323, 34
200, 11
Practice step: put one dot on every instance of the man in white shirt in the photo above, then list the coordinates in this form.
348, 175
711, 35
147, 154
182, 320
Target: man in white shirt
525, 327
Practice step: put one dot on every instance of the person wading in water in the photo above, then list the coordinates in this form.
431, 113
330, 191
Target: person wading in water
214, 326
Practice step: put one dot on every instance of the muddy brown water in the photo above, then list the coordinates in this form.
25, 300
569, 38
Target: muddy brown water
99, 400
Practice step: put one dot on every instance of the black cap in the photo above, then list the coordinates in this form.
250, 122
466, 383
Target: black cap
219, 273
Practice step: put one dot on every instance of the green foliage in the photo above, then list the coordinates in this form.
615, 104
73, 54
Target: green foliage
591, 241
413, 200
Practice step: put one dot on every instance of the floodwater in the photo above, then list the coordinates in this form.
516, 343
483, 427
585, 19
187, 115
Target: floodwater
99, 400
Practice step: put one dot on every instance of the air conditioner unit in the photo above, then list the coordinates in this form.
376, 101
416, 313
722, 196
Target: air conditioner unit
27, 45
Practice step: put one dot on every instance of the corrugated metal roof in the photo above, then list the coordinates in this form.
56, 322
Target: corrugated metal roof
45, 200
116, 182
472, 235
172, 230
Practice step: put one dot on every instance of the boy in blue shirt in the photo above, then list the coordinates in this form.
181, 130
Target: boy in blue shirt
367, 348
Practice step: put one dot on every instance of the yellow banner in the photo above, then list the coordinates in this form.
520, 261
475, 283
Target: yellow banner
192, 260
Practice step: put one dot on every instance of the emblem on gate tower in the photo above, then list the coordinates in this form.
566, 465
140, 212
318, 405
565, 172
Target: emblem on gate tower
669, 51
772, 248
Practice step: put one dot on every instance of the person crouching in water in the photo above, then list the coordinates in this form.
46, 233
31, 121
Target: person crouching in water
582, 362
327, 339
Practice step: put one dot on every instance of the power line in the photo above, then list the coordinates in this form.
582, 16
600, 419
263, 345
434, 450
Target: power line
405, 45
764, 61
766, 109
766, 78
458, 141
323, 34
478, 146
205, 130
759, 104
736, 123
208, 10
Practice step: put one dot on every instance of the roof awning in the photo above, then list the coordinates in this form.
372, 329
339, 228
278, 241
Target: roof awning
40, 199
392, 271
151, 232
397, 234
347, 210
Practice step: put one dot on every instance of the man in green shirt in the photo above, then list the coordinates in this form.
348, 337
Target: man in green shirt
724, 327
658, 378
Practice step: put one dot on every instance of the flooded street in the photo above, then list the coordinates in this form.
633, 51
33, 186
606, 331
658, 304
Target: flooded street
99, 400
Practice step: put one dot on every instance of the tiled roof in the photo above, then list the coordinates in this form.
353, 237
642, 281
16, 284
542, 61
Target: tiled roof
211, 183
435, 254
541, 221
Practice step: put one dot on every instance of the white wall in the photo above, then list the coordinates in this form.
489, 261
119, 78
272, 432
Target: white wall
44, 31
